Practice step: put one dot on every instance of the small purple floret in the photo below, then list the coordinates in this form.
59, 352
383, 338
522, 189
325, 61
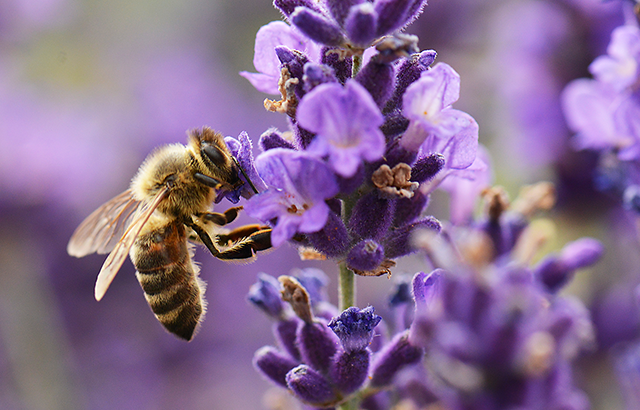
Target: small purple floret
354, 327
346, 121
265, 294
298, 185
309, 386
366, 255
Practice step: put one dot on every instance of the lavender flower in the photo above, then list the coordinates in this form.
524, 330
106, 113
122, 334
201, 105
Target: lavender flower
298, 185
350, 23
604, 111
241, 149
346, 122
333, 360
434, 124
386, 131
484, 339
265, 59
354, 327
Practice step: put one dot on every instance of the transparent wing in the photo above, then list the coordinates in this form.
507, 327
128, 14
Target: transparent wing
101, 230
119, 253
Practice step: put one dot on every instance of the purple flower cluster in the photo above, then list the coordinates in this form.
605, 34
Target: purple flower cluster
323, 357
498, 342
495, 331
489, 330
605, 114
367, 145
349, 24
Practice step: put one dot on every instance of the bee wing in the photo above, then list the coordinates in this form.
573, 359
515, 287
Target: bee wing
119, 253
101, 230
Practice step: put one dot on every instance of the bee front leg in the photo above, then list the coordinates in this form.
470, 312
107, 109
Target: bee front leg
238, 234
220, 219
251, 239
204, 237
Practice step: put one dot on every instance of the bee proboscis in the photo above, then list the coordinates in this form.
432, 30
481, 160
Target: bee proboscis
167, 206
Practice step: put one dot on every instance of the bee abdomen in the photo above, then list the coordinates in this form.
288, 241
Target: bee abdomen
169, 280
176, 303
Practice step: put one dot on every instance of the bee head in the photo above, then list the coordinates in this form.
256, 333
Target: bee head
216, 166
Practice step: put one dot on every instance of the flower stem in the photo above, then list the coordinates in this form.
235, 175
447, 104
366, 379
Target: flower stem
349, 405
357, 63
346, 287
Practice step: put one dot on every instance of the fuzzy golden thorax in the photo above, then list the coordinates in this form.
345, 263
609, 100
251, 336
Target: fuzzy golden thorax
175, 167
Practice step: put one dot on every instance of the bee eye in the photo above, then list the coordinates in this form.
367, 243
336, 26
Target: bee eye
213, 153
170, 181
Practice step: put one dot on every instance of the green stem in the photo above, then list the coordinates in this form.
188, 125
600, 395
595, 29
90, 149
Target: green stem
349, 405
346, 287
357, 63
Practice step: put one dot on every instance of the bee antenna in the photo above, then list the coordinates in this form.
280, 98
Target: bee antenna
245, 175
207, 180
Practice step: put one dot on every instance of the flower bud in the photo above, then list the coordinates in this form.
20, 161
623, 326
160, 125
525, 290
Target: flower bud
408, 72
394, 124
274, 364
556, 271
316, 26
398, 242
366, 255
317, 344
377, 78
582, 253
349, 370
391, 15
273, 139
309, 386
371, 216
427, 167
332, 240
316, 74
393, 357
285, 332
360, 24
265, 295
339, 9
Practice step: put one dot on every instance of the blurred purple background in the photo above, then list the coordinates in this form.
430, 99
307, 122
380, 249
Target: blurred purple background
89, 88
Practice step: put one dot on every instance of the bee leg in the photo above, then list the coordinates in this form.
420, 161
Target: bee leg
204, 237
239, 233
220, 219
247, 246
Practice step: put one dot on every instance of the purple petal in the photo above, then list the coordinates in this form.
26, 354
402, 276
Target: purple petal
464, 187
620, 68
436, 89
266, 206
346, 120
460, 150
265, 60
314, 218
284, 230
588, 109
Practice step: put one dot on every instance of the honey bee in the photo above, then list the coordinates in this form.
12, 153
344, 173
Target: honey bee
166, 207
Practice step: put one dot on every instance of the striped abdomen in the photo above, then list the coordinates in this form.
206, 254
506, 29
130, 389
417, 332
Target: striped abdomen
169, 278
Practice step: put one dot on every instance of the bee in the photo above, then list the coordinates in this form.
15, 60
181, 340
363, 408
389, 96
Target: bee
166, 207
